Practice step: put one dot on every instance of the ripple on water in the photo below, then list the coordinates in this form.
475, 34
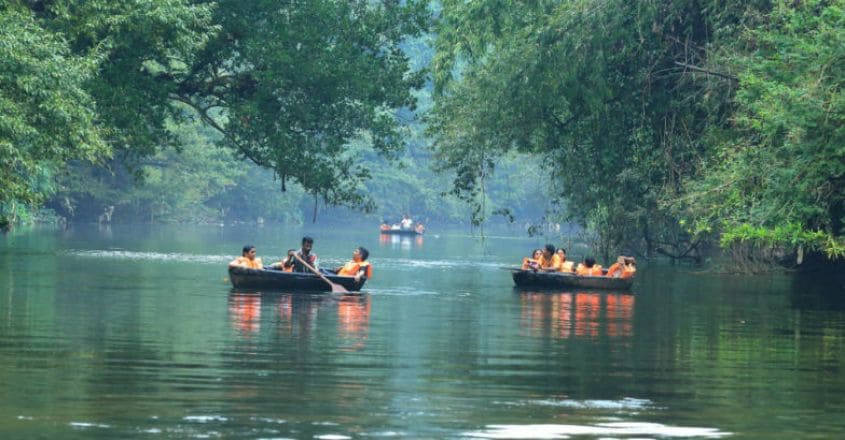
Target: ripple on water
600, 429
401, 291
205, 419
391, 263
88, 425
626, 404
116, 254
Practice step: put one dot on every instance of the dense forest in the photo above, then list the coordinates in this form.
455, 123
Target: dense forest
665, 127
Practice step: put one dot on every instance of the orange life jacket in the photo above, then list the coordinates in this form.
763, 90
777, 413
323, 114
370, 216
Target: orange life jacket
567, 266
351, 268
613, 269
553, 263
594, 271
618, 270
247, 263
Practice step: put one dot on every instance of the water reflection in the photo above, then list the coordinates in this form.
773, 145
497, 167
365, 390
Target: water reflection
582, 314
245, 313
353, 317
395, 241
298, 314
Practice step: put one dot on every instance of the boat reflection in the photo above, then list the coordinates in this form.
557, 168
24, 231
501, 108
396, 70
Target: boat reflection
400, 241
297, 314
577, 314
245, 313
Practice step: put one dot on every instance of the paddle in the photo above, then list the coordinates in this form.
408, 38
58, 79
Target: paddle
336, 288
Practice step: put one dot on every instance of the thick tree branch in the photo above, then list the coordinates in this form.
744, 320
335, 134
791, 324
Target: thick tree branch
708, 72
203, 113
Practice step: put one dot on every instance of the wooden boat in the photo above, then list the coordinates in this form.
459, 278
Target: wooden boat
399, 232
242, 277
529, 278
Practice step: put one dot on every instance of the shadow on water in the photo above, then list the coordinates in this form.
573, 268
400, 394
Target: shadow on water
818, 291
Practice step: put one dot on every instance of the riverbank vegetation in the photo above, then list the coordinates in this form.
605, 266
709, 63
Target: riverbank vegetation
663, 128
665, 125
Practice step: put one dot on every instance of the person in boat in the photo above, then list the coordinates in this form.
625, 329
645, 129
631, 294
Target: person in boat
419, 228
384, 226
550, 261
532, 263
358, 266
305, 254
565, 265
589, 268
624, 267
281, 264
247, 259
406, 223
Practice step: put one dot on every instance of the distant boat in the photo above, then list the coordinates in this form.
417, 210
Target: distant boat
529, 278
242, 277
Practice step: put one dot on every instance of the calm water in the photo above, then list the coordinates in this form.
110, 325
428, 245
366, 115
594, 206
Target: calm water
135, 332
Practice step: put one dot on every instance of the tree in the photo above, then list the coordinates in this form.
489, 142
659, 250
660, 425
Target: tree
602, 91
48, 116
290, 85
777, 179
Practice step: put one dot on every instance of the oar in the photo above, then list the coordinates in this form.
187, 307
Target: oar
511, 268
336, 288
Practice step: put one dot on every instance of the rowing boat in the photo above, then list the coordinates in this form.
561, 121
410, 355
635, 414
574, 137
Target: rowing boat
529, 278
242, 277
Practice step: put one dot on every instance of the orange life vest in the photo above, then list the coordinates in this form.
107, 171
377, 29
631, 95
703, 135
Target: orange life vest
351, 268
613, 269
247, 263
594, 271
567, 266
553, 263
618, 270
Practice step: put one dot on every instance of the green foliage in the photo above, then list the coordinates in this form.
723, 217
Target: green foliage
200, 183
48, 116
783, 162
595, 90
297, 82
289, 86
662, 123
146, 48
788, 236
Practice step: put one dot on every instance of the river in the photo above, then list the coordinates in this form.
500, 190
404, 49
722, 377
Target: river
135, 332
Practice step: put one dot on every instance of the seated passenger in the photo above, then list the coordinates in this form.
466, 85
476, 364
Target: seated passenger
384, 226
247, 259
589, 268
532, 263
419, 228
358, 266
281, 264
565, 266
624, 267
550, 262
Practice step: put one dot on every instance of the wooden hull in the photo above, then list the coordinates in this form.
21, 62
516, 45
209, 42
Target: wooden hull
528, 278
399, 232
288, 281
